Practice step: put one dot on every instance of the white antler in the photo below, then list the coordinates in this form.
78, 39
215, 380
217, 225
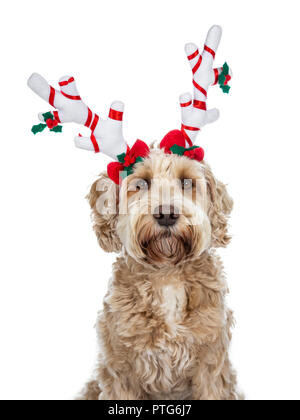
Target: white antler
106, 136
194, 112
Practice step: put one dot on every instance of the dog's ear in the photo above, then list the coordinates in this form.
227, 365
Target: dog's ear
220, 205
104, 201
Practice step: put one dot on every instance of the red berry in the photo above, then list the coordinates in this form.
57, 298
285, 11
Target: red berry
51, 123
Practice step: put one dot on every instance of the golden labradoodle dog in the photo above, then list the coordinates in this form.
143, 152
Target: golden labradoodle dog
165, 330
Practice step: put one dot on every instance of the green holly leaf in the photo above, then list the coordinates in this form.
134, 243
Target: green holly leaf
48, 116
139, 159
57, 129
121, 158
127, 171
222, 79
225, 69
38, 128
130, 170
192, 148
177, 150
226, 88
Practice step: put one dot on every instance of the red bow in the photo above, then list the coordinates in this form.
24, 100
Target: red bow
137, 153
173, 137
176, 138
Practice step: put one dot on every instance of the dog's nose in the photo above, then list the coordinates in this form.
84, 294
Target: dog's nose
166, 215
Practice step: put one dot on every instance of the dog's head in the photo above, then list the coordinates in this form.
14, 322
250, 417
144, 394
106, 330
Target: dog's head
168, 211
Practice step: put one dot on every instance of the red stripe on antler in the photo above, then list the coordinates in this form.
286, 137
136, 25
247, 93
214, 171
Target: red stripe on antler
194, 55
89, 118
206, 48
115, 115
186, 104
95, 144
187, 139
186, 127
216, 71
52, 96
197, 65
200, 105
95, 122
200, 88
74, 98
65, 83
55, 114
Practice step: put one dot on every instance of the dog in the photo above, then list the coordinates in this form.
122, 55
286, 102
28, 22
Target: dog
165, 329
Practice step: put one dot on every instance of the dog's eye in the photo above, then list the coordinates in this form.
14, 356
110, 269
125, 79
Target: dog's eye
142, 185
187, 184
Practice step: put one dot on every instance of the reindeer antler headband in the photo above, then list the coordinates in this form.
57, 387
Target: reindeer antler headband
107, 136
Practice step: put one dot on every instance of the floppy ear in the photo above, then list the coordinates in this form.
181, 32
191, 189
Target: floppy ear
104, 201
220, 206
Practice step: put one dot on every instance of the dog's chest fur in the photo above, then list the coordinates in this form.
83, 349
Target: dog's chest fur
153, 331
158, 325
170, 304
169, 359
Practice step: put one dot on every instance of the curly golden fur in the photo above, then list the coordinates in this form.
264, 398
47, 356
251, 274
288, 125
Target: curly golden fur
165, 329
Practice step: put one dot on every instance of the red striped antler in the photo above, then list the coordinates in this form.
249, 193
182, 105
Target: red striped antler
193, 110
106, 135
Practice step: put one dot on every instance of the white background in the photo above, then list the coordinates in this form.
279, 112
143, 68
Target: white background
53, 274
